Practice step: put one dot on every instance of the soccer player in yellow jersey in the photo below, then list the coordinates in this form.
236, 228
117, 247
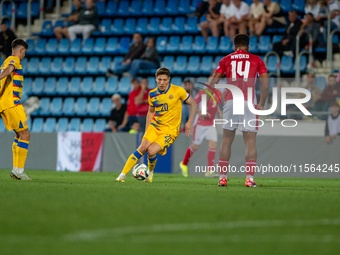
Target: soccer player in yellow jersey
11, 109
162, 122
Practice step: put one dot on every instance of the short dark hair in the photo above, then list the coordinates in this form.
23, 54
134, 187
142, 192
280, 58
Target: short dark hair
3, 22
163, 70
293, 11
19, 42
311, 14
241, 40
332, 75
334, 104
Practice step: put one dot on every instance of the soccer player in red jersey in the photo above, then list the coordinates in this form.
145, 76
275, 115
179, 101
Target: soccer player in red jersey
204, 129
241, 69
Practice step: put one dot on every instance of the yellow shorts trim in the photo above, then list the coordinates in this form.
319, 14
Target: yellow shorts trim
15, 118
163, 138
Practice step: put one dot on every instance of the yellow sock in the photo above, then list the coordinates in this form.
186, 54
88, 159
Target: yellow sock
22, 149
152, 163
15, 155
131, 162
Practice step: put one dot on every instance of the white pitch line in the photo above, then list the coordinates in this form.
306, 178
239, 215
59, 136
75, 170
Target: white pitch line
93, 235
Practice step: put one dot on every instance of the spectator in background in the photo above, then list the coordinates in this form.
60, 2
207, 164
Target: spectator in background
135, 128
6, 38
314, 91
256, 11
334, 8
202, 7
272, 17
289, 35
331, 93
312, 6
148, 60
117, 114
61, 32
135, 52
225, 14
87, 21
142, 103
212, 16
238, 20
332, 129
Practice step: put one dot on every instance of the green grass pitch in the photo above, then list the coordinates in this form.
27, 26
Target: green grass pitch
88, 213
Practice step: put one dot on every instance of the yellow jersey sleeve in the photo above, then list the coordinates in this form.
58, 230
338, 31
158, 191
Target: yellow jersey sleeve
149, 99
182, 94
15, 61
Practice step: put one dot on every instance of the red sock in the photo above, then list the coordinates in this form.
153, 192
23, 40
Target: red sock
223, 164
211, 157
250, 168
187, 156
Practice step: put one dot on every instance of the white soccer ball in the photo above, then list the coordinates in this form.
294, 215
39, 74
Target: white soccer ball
140, 172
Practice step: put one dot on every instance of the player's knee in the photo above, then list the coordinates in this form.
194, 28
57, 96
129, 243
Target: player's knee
57, 30
151, 153
195, 147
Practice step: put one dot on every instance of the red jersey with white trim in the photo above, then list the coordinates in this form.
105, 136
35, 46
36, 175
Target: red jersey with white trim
211, 108
241, 69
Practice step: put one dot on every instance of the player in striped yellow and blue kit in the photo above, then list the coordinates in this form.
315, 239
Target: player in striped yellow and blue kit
11, 109
162, 123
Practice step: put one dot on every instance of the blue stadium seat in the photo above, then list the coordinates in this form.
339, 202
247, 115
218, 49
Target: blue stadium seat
69, 65
38, 86
106, 107
40, 48
117, 61
272, 64
45, 66
50, 87
194, 4
130, 26
59, 23
123, 8
142, 25
193, 65
168, 62
31, 47
76, 46
264, 44
47, 29
124, 86
74, 88
75, 124
253, 44
154, 25
178, 26
172, 7
87, 125
176, 81
93, 65
57, 65
28, 84
147, 8
99, 86
174, 42
64, 46
135, 8
206, 65
68, 107
24, 64
105, 27
161, 44
62, 125
320, 81
44, 108
118, 27
299, 6
21, 11
38, 124
62, 86
33, 67
225, 45
99, 125
159, 8
112, 45
111, 9
212, 44
303, 63
81, 106
88, 46
186, 46
191, 25
277, 38
199, 45
124, 45
217, 60
52, 46
287, 64
50, 124
94, 104
112, 85
184, 7
100, 6
2, 126
81, 66
104, 65
286, 5
152, 82
56, 106
166, 27
99, 47
181, 65
86, 89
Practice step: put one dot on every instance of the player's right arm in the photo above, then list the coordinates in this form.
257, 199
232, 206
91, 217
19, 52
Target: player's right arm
7, 71
149, 116
264, 90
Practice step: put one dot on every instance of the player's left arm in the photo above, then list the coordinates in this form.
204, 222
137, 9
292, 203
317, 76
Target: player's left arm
7, 71
264, 84
193, 111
